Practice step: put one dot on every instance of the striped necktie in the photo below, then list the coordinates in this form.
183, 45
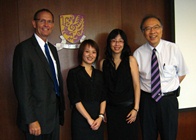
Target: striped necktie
56, 86
155, 78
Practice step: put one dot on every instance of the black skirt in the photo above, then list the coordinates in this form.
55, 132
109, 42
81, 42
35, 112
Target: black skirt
81, 130
117, 126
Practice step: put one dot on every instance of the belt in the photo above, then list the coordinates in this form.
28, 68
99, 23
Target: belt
121, 104
171, 93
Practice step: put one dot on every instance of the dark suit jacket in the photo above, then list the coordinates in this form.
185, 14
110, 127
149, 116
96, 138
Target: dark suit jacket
34, 87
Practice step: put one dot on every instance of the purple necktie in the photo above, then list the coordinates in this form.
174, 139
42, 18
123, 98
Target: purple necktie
155, 78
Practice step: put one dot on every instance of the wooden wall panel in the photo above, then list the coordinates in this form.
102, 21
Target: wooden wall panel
133, 13
187, 125
101, 16
8, 38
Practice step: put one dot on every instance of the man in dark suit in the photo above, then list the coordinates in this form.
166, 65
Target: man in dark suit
40, 105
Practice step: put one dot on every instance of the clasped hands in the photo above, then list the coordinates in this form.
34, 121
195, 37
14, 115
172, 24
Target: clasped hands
95, 124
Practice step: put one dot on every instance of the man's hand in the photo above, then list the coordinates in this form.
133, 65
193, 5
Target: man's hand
34, 128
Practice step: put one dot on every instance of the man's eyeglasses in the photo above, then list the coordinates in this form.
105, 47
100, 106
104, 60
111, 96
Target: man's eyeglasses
43, 21
155, 28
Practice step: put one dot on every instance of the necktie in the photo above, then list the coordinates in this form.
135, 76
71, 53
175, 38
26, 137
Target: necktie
56, 86
155, 78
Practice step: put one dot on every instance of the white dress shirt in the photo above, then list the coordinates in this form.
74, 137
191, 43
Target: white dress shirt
171, 65
41, 44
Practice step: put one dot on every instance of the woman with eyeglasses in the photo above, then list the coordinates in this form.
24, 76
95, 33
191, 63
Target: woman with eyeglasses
121, 79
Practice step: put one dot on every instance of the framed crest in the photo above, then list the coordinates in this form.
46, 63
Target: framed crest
72, 27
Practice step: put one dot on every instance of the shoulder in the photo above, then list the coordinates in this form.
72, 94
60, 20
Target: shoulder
76, 69
166, 42
170, 46
132, 60
142, 49
51, 45
73, 72
24, 47
101, 64
97, 71
25, 42
52, 48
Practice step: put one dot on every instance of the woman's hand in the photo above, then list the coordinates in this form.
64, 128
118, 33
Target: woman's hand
90, 121
131, 117
96, 124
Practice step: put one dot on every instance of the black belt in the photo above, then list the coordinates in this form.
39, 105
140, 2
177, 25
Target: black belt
171, 93
121, 104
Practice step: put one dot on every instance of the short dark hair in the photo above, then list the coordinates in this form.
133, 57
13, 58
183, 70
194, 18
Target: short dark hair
148, 17
91, 43
42, 10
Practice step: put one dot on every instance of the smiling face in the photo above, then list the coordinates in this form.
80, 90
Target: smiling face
89, 55
152, 31
117, 44
43, 24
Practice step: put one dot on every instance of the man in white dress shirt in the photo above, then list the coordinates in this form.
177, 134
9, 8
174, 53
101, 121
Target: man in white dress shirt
159, 116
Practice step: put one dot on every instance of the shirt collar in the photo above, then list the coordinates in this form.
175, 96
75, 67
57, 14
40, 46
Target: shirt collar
40, 41
158, 47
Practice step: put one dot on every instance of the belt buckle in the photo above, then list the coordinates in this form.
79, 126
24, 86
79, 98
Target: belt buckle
167, 93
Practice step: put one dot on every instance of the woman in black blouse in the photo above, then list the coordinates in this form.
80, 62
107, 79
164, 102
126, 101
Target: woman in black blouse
86, 93
121, 77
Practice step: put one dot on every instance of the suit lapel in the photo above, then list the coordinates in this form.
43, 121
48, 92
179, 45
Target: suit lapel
41, 55
55, 55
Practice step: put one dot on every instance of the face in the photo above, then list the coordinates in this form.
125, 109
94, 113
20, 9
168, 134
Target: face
43, 25
152, 31
117, 44
89, 55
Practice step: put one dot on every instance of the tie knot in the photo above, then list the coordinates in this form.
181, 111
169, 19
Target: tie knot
154, 50
46, 45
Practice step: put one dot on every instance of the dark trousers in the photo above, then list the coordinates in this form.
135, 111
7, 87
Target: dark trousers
158, 117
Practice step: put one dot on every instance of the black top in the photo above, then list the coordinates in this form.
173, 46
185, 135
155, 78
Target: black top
82, 87
118, 82
90, 91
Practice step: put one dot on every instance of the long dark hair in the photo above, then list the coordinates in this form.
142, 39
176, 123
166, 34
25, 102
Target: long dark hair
126, 52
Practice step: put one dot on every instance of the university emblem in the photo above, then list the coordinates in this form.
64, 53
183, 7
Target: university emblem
72, 27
